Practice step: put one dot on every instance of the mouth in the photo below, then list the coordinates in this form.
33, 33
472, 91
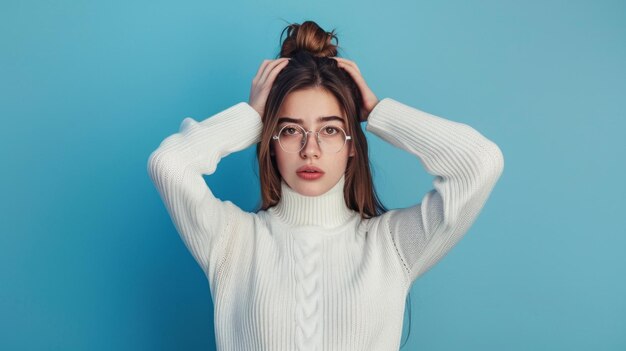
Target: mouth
310, 175
309, 169
309, 172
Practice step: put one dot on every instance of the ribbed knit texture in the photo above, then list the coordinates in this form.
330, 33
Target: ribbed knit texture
309, 273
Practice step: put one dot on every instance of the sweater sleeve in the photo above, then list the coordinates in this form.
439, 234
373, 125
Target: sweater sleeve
466, 166
176, 168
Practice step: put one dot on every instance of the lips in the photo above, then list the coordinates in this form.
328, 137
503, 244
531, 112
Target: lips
309, 169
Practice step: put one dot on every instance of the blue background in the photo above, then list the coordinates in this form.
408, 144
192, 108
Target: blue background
90, 260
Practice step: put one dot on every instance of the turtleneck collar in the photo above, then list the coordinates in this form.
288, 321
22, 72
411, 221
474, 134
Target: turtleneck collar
327, 210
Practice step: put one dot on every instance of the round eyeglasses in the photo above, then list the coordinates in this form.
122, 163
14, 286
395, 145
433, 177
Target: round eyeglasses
293, 137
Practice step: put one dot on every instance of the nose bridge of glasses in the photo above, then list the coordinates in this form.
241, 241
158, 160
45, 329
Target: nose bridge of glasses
315, 134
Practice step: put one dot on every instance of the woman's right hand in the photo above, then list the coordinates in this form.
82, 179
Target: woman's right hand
262, 82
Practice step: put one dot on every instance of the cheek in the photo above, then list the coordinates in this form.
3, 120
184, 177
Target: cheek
340, 161
283, 161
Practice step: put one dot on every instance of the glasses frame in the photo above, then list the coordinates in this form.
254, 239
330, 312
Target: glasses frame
306, 137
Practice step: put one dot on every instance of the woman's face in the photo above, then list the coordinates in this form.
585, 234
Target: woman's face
307, 106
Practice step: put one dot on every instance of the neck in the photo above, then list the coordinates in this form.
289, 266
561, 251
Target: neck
327, 210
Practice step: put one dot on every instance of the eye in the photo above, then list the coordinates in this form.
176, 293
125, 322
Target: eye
330, 131
290, 130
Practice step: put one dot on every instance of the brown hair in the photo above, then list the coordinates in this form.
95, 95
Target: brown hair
309, 48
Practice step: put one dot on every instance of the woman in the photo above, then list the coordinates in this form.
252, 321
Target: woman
322, 265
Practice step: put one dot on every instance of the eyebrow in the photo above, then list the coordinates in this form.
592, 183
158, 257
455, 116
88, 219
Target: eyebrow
299, 121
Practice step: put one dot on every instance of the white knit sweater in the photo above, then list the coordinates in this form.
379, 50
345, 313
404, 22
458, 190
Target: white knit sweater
309, 273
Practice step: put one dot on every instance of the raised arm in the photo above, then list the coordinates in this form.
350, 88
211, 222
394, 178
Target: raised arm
177, 165
466, 166
176, 168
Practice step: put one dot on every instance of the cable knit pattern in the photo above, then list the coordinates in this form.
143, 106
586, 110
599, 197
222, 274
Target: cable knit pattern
309, 273
308, 294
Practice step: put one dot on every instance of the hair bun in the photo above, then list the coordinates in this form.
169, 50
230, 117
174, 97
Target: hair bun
309, 37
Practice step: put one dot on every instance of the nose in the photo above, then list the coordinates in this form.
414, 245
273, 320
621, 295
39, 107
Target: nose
311, 149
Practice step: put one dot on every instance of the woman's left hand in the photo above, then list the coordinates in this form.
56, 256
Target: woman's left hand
369, 98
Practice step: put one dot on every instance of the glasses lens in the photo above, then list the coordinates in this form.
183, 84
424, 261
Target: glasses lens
332, 139
292, 138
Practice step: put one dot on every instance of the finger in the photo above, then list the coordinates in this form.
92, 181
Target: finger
270, 67
362, 86
356, 75
275, 71
261, 68
271, 72
342, 61
345, 64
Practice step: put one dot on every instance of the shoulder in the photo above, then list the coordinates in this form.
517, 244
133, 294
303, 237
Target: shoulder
374, 225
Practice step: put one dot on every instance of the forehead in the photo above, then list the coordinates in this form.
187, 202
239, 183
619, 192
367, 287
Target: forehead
310, 107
